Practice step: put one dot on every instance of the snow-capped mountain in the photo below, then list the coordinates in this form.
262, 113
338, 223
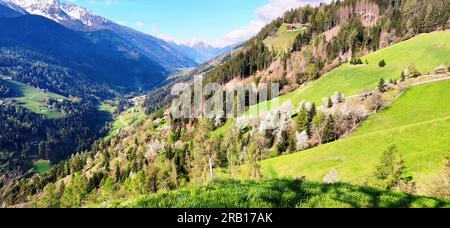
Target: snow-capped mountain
84, 15
102, 30
47, 8
202, 51
168, 52
65, 13
13, 7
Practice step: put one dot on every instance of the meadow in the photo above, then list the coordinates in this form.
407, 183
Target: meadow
41, 167
418, 124
283, 40
425, 52
126, 119
34, 99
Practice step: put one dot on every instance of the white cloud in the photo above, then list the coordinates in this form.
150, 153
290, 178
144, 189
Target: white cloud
139, 24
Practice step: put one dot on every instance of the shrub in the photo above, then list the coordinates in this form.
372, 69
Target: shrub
382, 63
389, 173
332, 177
375, 102
440, 185
413, 72
356, 61
440, 69
382, 85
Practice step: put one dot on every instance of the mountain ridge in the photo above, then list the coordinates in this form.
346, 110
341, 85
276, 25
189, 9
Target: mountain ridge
80, 19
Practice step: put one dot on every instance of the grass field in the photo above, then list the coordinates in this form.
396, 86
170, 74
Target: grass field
279, 193
418, 123
426, 52
41, 167
127, 119
34, 99
107, 108
283, 41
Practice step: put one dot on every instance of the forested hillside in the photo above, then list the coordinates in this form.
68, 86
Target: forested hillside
27, 136
50, 56
333, 34
5, 91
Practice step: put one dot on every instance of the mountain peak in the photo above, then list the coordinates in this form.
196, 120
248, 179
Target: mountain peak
47, 8
82, 14
66, 13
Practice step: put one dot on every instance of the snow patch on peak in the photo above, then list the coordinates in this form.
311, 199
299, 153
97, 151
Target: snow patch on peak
195, 43
36, 4
46, 8
82, 14
66, 13
74, 11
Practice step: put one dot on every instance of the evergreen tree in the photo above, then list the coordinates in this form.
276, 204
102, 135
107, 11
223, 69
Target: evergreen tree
139, 184
283, 143
329, 103
50, 198
201, 153
303, 120
382, 85
312, 112
328, 135
253, 159
389, 173
75, 193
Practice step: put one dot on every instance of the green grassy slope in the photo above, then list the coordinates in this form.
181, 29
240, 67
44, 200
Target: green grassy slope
419, 124
426, 52
127, 120
283, 41
280, 193
34, 99
41, 167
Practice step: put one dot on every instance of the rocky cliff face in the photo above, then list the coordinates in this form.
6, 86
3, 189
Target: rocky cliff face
368, 11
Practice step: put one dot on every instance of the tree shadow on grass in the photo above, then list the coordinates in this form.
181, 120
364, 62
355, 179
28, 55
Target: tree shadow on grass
284, 193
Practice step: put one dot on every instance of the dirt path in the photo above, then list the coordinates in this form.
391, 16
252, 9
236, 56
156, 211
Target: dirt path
412, 85
431, 81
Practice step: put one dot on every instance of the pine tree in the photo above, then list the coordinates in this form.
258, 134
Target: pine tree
50, 197
232, 143
200, 167
328, 135
312, 112
253, 159
303, 121
75, 193
389, 173
329, 103
117, 172
382, 85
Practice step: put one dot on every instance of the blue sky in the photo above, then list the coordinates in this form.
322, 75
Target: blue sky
216, 21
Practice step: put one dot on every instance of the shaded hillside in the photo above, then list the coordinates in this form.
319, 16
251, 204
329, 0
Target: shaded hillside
119, 37
98, 64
